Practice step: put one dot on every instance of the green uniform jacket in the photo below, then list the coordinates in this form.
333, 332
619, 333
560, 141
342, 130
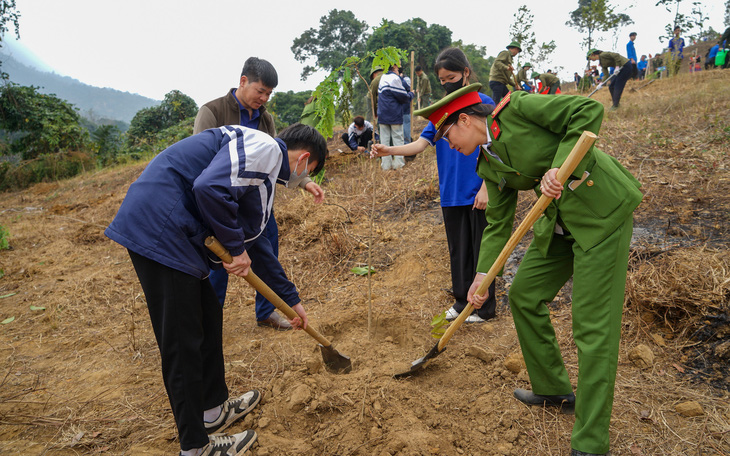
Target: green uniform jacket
522, 75
537, 133
611, 59
500, 71
423, 85
549, 79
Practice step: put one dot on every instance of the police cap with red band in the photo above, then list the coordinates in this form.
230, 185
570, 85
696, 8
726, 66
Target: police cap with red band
438, 112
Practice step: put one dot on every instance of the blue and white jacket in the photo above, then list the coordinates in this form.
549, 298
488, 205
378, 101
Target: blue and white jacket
393, 93
219, 182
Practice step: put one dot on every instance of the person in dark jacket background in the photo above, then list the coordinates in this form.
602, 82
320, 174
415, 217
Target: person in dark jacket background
359, 133
621, 74
219, 182
393, 94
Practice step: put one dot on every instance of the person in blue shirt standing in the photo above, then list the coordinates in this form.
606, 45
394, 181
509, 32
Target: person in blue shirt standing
463, 193
676, 48
219, 183
393, 95
631, 55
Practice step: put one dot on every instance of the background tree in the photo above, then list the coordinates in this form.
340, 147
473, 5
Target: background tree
339, 36
521, 31
480, 63
108, 141
688, 22
426, 41
175, 108
286, 107
593, 16
37, 123
8, 14
727, 13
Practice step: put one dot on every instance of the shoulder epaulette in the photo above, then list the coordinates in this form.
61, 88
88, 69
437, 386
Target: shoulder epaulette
502, 103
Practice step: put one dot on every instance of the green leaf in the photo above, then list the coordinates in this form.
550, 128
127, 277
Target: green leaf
361, 271
37, 308
8, 295
7, 320
438, 324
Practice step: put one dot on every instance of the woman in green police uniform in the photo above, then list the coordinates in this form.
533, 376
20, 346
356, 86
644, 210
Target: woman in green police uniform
584, 233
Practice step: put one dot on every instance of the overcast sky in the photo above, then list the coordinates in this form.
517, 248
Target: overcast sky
153, 46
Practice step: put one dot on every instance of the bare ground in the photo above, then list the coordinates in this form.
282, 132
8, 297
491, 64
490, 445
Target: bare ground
81, 375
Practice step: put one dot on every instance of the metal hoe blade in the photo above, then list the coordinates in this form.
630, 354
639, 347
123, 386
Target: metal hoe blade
334, 361
421, 363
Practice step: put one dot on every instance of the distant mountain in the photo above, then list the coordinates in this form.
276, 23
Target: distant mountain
94, 103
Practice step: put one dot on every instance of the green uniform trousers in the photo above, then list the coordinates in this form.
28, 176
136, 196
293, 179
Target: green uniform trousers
599, 281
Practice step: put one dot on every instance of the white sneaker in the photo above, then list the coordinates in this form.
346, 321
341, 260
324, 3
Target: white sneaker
233, 410
474, 318
230, 445
451, 314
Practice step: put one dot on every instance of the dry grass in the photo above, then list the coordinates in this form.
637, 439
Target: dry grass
83, 376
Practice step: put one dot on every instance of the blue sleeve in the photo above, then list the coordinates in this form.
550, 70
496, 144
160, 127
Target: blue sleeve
428, 133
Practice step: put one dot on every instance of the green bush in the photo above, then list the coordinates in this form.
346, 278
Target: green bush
45, 168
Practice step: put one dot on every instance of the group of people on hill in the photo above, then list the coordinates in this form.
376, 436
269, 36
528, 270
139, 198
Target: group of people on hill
221, 182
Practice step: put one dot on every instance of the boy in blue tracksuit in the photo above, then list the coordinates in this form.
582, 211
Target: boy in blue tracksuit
220, 182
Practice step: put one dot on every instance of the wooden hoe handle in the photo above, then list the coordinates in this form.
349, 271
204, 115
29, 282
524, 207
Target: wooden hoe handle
216, 247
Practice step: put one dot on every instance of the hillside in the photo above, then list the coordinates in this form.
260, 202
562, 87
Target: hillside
94, 103
81, 375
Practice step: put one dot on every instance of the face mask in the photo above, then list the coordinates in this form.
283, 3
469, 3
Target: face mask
295, 179
452, 86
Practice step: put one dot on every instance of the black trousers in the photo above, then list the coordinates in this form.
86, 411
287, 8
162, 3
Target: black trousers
464, 227
187, 319
499, 90
616, 87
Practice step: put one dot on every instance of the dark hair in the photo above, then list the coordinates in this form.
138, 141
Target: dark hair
452, 59
479, 110
359, 121
677, 27
260, 70
632, 34
418, 68
300, 136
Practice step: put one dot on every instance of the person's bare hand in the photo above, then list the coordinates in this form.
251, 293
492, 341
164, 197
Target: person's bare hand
316, 191
477, 301
379, 150
301, 321
550, 186
239, 266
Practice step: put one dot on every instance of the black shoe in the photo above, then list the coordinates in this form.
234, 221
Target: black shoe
581, 453
566, 402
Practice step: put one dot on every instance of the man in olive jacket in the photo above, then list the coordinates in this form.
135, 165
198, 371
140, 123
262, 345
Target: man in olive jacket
524, 76
621, 74
549, 81
246, 106
500, 75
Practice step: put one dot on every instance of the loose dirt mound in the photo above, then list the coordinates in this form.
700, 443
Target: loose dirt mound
81, 376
